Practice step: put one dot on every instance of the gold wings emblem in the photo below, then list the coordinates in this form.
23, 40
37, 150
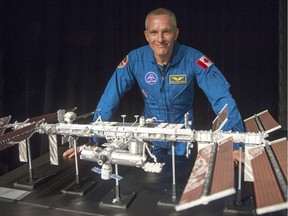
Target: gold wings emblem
177, 78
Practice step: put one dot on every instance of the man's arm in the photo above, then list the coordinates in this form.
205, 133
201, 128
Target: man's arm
121, 82
216, 88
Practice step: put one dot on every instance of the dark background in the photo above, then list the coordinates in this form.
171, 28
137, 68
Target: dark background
57, 54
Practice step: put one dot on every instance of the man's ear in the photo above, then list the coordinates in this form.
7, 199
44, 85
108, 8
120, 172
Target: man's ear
176, 33
145, 33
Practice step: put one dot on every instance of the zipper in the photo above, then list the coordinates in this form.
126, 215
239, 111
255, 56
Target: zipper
163, 70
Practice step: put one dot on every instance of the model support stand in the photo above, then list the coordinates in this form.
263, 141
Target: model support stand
239, 206
114, 200
32, 181
171, 199
78, 187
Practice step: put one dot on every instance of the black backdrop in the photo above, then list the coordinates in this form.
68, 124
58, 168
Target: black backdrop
58, 54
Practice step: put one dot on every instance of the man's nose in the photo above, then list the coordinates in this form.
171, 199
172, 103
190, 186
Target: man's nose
160, 37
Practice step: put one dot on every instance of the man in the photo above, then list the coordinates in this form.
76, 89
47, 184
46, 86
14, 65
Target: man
166, 73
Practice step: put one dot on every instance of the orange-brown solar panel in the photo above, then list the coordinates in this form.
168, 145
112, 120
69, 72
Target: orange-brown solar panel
49, 118
214, 125
261, 122
268, 121
267, 191
251, 125
279, 148
18, 135
223, 177
221, 119
194, 187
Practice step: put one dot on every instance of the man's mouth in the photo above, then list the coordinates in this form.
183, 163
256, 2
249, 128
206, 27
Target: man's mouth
161, 47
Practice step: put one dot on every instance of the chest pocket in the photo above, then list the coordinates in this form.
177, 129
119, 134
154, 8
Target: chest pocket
180, 88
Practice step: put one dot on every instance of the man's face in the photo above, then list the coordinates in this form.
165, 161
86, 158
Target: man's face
161, 34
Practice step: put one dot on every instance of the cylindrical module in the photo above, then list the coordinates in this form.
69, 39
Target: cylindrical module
106, 171
127, 159
90, 153
135, 147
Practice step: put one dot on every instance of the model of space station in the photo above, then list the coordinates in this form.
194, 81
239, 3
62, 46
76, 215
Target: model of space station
212, 175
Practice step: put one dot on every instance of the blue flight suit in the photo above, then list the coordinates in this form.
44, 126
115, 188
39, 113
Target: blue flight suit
168, 91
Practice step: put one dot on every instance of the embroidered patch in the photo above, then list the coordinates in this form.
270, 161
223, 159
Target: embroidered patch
204, 62
151, 78
124, 62
178, 79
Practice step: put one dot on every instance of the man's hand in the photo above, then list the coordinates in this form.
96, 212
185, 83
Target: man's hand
71, 153
237, 158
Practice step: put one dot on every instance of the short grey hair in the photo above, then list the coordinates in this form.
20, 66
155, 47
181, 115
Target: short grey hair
161, 11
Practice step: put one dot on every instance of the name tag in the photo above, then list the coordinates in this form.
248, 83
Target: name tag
178, 79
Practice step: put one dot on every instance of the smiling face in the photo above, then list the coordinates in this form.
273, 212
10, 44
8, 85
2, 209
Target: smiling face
160, 33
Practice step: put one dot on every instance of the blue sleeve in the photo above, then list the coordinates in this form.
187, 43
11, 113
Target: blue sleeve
121, 82
216, 88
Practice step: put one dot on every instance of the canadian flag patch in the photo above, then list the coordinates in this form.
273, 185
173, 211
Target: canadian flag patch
204, 62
